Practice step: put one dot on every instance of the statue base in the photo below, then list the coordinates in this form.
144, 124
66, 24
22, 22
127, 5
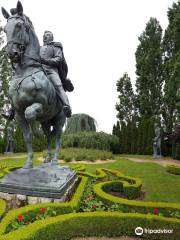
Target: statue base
47, 181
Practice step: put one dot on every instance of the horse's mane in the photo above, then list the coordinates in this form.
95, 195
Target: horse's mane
29, 22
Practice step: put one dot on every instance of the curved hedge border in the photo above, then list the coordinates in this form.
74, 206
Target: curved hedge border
132, 205
6, 169
95, 224
131, 186
100, 173
2, 207
173, 169
60, 208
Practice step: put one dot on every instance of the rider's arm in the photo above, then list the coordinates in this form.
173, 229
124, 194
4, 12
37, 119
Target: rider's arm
54, 61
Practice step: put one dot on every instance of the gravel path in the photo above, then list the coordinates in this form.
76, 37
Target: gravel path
11, 156
161, 161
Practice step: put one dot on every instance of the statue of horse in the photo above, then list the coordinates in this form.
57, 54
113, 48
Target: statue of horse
31, 93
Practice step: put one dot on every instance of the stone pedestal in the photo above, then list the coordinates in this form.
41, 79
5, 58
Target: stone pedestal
47, 181
18, 200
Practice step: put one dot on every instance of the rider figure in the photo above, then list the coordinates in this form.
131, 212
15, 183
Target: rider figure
54, 64
52, 56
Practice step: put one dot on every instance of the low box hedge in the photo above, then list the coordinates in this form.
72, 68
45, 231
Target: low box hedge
173, 169
129, 191
100, 173
2, 208
133, 205
96, 224
131, 186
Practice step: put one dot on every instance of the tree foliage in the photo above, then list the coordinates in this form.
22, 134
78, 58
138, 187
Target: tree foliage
171, 68
126, 104
79, 123
5, 76
149, 70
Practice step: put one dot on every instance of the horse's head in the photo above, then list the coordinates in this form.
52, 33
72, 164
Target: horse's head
17, 32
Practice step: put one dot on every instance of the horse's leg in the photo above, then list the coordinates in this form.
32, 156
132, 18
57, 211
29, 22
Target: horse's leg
59, 123
57, 145
27, 139
47, 132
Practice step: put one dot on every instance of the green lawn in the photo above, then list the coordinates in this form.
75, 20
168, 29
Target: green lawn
158, 185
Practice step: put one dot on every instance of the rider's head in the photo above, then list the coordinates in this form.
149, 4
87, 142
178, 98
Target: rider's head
47, 37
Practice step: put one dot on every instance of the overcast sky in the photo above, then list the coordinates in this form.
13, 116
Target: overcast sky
100, 38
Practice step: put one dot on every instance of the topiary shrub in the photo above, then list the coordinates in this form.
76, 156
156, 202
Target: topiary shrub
173, 169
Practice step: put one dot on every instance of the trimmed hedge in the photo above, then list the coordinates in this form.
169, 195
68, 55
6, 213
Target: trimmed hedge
80, 154
100, 173
132, 205
5, 170
2, 207
131, 186
173, 169
60, 208
95, 224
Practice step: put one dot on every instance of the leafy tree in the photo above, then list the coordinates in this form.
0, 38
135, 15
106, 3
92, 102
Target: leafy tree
116, 129
171, 68
5, 75
149, 70
126, 97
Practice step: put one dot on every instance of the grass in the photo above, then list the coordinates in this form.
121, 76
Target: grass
158, 184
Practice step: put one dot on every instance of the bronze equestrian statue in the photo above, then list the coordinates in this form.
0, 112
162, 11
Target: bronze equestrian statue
36, 91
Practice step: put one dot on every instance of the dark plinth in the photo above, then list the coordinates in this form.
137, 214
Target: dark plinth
45, 181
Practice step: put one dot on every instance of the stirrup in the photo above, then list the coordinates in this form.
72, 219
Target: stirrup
67, 111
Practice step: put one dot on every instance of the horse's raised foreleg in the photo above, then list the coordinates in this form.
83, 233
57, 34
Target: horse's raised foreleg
58, 132
27, 139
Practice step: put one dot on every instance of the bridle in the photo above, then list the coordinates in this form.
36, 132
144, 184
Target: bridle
21, 44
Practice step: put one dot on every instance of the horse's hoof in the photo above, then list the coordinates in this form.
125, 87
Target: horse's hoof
54, 162
28, 166
47, 160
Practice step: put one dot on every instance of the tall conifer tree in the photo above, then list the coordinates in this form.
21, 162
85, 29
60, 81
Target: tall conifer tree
149, 70
171, 68
125, 106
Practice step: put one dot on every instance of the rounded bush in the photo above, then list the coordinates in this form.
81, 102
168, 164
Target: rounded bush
93, 140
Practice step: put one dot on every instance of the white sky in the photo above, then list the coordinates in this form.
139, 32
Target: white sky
100, 38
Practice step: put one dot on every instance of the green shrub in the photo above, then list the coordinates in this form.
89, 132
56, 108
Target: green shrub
166, 209
173, 169
2, 207
80, 154
95, 224
93, 140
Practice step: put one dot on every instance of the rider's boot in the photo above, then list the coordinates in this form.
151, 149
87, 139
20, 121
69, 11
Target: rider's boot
63, 97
